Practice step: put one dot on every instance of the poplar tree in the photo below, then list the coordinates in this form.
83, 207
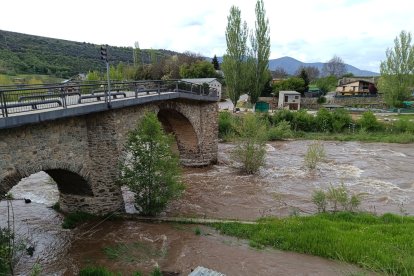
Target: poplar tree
232, 66
260, 52
215, 63
397, 71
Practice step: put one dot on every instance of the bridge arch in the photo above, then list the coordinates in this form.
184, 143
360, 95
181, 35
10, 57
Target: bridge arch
70, 179
185, 136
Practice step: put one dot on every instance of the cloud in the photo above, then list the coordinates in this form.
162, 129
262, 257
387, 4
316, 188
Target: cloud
357, 30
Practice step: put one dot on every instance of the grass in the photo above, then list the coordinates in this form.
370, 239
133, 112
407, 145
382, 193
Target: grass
402, 138
383, 244
132, 252
95, 271
74, 219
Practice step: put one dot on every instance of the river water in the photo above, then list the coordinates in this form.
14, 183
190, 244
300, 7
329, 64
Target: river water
380, 173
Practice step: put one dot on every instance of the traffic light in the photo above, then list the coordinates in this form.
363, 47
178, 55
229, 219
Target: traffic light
104, 53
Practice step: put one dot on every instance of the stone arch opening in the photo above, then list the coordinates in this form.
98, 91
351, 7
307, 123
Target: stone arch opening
68, 183
187, 141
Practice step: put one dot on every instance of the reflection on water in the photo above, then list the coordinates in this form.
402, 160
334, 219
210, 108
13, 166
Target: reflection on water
381, 172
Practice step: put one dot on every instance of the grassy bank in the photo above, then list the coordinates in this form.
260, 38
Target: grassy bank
402, 138
324, 125
383, 244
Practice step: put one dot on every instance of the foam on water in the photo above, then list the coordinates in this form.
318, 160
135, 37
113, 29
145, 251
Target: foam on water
341, 170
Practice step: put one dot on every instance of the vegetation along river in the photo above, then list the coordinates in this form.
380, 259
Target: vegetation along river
381, 173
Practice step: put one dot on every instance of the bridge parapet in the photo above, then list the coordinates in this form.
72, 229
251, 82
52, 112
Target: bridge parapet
17, 100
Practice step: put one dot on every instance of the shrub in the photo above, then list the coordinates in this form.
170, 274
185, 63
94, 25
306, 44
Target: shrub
226, 124
340, 196
340, 120
323, 120
314, 154
319, 199
282, 115
321, 100
151, 170
250, 148
74, 219
369, 122
279, 132
337, 196
404, 125
303, 121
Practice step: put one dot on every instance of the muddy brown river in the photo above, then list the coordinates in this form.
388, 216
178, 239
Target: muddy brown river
381, 173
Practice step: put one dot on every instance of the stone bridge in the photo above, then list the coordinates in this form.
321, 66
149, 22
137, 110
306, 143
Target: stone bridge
81, 153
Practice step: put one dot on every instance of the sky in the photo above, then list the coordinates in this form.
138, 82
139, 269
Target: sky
358, 31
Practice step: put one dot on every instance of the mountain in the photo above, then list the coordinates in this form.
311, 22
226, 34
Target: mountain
291, 65
30, 54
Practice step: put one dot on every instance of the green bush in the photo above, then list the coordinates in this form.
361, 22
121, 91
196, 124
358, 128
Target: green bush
314, 154
250, 149
280, 131
226, 124
403, 125
152, 170
335, 196
303, 121
74, 219
321, 100
369, 122
282, 115
340, 120
319, 199
324, 120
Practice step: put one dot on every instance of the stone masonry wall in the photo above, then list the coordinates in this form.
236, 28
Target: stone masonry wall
90, 147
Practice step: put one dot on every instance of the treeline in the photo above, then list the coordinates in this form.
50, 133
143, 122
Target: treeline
28, 54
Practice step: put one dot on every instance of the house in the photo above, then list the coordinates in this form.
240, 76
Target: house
289, 100
212, 83
356, 87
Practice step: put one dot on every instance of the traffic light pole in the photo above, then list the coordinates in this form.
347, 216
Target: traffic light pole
108, 93
104, 56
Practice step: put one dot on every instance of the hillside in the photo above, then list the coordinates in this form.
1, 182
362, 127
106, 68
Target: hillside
29, 54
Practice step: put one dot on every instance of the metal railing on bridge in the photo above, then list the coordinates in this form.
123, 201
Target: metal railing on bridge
30, 98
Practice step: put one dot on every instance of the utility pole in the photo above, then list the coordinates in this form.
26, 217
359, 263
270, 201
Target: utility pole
104, 56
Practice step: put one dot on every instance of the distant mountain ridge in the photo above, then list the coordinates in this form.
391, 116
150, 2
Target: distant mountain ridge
291, 65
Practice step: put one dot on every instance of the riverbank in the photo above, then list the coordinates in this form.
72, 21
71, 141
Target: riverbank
380, 172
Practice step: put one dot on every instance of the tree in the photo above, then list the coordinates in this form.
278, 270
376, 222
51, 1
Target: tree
137, 55
232, 66
279, 73
311, 71
326, 84
334, 67
397, 71
151, 169
200, 69
215, 63
304, 76
260, 42
291, 84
